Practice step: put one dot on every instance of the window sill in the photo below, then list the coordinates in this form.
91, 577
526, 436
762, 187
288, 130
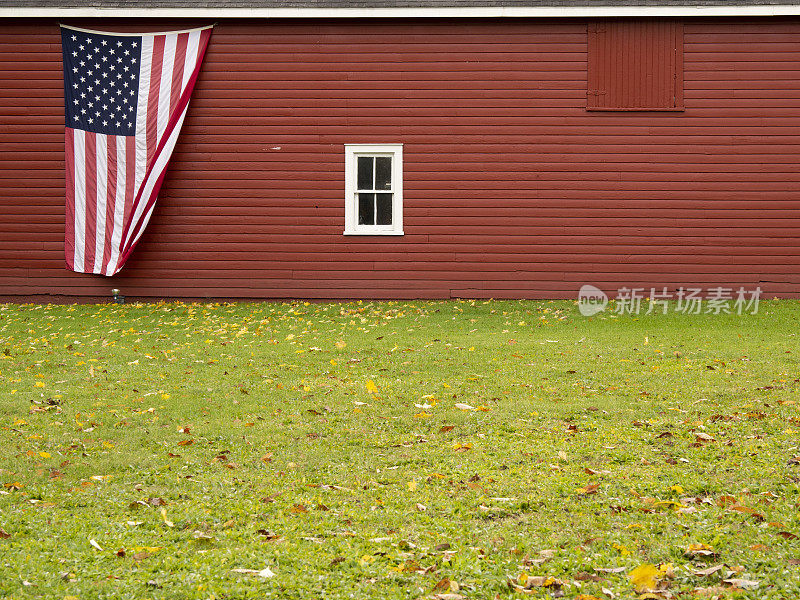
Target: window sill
373, 233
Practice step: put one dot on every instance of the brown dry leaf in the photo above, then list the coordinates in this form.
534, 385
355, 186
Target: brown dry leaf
704, 438
794, 561
589, 489
448, 596
446, 585
441, 547
4, 535
742, 584
156, 502
787, 535
140, 556
298, 509
186, 442
715, 591
446, 428
699, 551
526, 582
708, 571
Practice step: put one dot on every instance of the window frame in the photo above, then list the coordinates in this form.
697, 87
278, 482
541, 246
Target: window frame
351, 153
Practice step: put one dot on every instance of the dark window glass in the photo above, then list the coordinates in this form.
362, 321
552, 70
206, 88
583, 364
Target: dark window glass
365, 172
383, 173
384, 216
366, 209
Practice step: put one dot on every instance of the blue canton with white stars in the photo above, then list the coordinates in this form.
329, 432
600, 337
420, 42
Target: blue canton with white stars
101, 81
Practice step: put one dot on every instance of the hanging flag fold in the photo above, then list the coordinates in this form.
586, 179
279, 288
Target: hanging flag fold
125, 97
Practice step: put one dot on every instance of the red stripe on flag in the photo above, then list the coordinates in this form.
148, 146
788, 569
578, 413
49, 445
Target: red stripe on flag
69, 221
111, 197
152, 98
177, 70
91, 201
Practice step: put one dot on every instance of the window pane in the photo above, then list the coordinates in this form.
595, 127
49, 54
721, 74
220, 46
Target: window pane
365, 172
366, 208
384, 209
383, 173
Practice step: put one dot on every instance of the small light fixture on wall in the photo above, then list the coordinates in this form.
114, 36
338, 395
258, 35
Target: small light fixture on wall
117, 297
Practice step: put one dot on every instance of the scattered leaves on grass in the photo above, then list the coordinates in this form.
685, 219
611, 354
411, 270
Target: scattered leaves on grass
265, 573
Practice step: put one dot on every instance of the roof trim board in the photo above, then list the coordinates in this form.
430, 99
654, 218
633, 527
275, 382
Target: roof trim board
752, 10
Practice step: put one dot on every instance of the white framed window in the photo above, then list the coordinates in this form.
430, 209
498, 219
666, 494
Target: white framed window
373, 184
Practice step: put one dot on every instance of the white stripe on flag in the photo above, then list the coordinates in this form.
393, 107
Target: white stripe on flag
101, 190
79, 154
192, 46
145, 67
119, 206
165, 86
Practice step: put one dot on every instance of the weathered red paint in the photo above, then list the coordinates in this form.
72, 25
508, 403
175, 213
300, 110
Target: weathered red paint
635, 64
512, 188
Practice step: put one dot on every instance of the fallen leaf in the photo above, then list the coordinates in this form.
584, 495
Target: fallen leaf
742, 584
708, 571
167, 522
371, 387
4, 535
715, 591
412, 486
421, 507
93, 543
462, 406
446, 428
644, 577
699, 551
589, 489
265, 573
611, 570
298, 509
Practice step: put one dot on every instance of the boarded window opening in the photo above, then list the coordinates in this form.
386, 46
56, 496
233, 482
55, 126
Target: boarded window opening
635, 64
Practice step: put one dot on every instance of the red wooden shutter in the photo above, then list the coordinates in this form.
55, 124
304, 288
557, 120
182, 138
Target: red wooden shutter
635, 65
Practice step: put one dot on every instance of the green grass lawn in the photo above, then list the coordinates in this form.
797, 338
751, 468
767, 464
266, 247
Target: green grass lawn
475, 449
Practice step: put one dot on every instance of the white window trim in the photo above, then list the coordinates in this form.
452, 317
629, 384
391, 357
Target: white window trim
351, 226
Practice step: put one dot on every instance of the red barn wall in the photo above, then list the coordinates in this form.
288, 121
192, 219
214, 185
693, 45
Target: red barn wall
512, 189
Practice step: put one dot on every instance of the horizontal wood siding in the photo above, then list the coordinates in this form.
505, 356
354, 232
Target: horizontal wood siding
512, 188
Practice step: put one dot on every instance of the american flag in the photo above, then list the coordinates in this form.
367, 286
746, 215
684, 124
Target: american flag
125, 100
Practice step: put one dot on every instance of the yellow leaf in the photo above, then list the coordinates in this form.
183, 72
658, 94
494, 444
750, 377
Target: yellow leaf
167, 522
677, 489
412, 486
333, 362
340, 344
644, 577
44, 454
421, 415
371, 387
39, 384
621, 549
